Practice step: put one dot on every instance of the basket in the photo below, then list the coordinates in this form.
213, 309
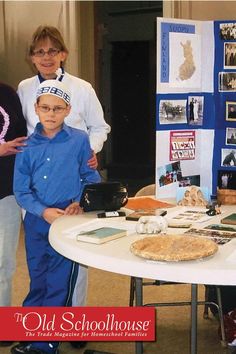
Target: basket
226, 196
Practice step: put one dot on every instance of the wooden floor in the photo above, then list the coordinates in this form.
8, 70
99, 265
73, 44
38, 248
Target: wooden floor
109, 289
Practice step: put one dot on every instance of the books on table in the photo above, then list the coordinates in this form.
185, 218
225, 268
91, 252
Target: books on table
184, 217
136, 215
218, 236
101, 235
230, 219
219, 227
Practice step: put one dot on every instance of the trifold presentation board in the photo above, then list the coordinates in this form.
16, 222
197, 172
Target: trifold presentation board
195, 105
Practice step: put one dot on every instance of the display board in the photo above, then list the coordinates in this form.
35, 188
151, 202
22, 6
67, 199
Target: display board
195, 104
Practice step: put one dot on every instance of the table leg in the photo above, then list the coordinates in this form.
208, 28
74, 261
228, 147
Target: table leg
221, 317
193, 340
138, 302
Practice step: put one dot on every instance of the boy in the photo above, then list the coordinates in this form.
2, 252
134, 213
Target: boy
48, 53
47, 183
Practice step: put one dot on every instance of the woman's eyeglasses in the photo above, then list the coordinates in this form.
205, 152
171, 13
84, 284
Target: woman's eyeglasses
52, 52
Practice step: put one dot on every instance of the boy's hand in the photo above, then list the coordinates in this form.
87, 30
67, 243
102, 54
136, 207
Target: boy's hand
10, 147
51, 214
73, 209
93, 162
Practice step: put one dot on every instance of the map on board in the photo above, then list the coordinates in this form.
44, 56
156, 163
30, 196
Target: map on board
187, 69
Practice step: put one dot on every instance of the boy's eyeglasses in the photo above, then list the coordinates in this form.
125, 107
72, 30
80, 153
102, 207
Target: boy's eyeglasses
52, 52
55, 109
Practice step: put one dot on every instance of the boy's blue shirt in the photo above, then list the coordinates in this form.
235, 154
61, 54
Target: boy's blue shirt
52, 171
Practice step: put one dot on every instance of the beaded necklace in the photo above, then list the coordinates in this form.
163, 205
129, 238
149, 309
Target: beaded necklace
5, 125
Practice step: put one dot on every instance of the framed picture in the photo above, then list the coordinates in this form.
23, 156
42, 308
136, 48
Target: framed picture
195, 110
227, 81
228, 158
230, 136
231, 111
229, 55
227, 31
172, 112
226, 179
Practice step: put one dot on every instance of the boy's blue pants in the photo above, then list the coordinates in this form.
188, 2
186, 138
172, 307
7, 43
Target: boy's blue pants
52, 276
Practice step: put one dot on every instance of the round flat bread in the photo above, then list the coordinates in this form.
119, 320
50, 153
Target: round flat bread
173, 248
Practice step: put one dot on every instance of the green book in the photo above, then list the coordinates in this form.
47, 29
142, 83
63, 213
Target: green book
219, 227
230, 219
101, 235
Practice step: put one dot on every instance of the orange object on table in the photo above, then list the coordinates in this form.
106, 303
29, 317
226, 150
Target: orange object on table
146, 203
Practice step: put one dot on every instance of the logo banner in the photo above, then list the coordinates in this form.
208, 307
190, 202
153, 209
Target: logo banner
77, 323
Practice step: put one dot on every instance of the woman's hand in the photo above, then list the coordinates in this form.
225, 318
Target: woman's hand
93, 162
10, 147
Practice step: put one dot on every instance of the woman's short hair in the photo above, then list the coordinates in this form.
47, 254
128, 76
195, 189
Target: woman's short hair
47, 32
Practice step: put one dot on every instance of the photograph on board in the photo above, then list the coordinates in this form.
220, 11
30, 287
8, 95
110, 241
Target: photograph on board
228, 157
168, 174
229, 55
186, 181
172, 112
226, 179
228, 31
230, 111
195, 110
230, 136
227, 81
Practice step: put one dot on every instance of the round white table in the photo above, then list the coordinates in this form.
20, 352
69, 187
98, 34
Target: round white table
116, 257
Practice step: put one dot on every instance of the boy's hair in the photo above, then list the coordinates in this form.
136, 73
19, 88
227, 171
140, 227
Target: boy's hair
44, 32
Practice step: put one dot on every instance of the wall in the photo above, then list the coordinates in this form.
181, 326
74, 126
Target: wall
86, 51
200, 10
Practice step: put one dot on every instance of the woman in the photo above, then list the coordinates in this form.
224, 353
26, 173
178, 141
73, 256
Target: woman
12, 136
48, 53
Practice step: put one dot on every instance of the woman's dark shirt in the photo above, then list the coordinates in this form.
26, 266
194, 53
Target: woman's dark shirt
12, 125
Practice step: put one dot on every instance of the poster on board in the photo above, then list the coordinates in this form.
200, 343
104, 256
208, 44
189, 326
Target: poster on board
182, 145
195, 90
185, 118
185, 55
194, 171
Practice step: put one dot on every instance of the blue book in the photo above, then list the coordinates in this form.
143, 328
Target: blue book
101, 235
